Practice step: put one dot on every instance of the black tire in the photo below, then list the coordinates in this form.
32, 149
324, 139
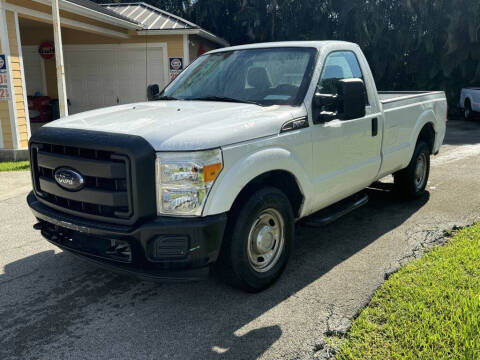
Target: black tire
407, 180
468, 112
234, 264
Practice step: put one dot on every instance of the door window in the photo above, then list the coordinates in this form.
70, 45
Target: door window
338, 65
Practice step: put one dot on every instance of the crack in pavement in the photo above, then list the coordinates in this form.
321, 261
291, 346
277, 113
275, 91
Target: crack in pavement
431, 238
337, 325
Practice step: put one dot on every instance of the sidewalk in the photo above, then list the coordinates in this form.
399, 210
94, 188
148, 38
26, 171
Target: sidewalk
14, 183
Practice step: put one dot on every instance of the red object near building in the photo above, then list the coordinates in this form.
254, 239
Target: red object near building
201, 50
46, 50
40, 109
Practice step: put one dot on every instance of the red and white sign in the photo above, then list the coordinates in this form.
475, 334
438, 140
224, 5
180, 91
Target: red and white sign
46, 50
3, 78
176, 64
176, 67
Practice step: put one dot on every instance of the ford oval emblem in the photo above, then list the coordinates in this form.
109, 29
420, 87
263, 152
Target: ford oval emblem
69, 179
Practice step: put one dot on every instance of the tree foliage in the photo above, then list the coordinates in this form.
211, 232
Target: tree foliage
410, 44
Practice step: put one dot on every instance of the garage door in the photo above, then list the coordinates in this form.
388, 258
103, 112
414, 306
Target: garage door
34, 71
105, 76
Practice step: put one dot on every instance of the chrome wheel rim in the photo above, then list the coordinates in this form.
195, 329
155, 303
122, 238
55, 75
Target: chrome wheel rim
421, 171
266, 240
467, 112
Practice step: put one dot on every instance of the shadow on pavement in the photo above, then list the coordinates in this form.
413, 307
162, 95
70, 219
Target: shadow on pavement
54, 304
462, 132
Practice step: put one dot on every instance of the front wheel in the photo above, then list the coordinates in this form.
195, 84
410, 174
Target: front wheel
412, 181
258, 241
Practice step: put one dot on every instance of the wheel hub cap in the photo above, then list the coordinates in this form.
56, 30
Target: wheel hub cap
266, 240
420, 170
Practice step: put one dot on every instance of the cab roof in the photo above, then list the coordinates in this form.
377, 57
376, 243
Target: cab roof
310, 44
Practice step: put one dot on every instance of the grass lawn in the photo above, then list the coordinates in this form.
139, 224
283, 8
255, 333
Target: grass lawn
430, 309
14, 165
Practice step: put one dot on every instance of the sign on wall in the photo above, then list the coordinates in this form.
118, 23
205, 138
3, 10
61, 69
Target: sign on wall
4, 93
176, 66
46, 50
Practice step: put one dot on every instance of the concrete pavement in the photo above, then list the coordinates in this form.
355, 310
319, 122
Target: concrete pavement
54, 306
14, 183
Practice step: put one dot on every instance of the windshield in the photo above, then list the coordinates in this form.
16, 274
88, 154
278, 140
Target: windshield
265, 76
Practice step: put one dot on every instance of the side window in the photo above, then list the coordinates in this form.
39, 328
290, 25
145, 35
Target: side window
338, 65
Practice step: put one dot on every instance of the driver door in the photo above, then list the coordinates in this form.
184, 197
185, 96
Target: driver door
346, 153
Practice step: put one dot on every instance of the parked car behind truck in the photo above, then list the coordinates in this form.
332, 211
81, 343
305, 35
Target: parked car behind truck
244, 143
470, 102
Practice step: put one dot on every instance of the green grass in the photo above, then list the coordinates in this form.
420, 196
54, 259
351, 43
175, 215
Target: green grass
430, 309
14, 165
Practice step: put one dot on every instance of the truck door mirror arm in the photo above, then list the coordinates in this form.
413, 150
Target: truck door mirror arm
324, 108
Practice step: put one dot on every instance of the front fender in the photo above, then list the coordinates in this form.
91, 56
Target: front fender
240, 170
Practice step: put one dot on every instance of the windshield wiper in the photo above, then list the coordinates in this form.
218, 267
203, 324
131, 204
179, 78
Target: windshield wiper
224, 99
165, 97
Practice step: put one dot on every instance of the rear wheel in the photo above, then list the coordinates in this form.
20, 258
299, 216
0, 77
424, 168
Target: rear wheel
468, 112
412, 181
258, 241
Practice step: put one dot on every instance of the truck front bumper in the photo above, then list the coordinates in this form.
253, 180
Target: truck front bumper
162, 248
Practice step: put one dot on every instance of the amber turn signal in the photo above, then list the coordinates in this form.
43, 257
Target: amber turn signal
210, 172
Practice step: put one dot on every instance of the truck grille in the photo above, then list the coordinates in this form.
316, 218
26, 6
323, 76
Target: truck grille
106, 193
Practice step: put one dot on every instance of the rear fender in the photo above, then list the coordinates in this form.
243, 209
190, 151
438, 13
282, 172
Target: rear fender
428, 116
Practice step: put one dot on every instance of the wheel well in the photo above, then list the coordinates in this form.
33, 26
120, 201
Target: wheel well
428, 135
467, 101
282, 180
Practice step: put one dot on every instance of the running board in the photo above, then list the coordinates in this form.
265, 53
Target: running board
335, 211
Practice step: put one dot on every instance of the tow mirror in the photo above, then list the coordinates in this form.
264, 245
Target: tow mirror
152, 91
349, 102
352, 99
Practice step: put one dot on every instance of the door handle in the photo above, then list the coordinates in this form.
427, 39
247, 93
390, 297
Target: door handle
374, 127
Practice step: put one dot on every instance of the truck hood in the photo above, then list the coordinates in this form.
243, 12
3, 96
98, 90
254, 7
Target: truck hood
185, 125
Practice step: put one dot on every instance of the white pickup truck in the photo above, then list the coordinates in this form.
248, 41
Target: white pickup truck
217, 168
470, 102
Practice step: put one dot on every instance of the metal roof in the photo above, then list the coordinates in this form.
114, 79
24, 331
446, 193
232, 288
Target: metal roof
98, 8
150, 17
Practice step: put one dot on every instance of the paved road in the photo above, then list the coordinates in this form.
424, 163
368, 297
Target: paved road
54, 306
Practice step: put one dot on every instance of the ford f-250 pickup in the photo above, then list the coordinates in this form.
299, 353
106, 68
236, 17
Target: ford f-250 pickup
217, 168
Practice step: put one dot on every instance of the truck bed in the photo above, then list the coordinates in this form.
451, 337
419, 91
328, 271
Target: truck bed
393, 99
403, 112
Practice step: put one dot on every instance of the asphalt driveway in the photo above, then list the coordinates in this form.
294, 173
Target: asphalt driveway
55, 306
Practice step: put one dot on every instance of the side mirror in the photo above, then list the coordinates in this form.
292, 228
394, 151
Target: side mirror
352, 99
152, 91
349, 103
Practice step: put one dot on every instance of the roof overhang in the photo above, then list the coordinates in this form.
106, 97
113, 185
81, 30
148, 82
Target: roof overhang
47, 18
200, 32
112, 20
90, 13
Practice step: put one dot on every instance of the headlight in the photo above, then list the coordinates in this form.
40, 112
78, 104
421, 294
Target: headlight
183, 180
